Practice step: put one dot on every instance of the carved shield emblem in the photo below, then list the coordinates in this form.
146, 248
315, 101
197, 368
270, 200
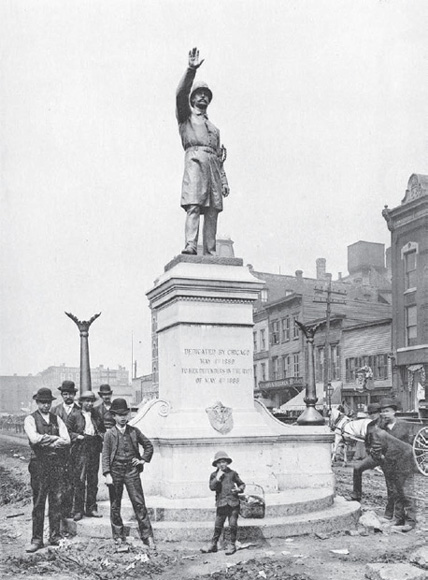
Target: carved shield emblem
220, 417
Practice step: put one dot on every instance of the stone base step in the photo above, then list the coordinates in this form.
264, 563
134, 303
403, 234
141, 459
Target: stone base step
285, 503
341, 515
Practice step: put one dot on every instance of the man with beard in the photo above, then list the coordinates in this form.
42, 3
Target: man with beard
103, 408
68, 406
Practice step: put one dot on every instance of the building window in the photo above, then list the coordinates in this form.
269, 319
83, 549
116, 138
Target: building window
255, 341
296, 366
350, 370
275, 332
295, 328
411, 326
335, 362
285, 361
263, 368
319, 363
285, 329
264, 295
410, 269
275, 368
380, 370
255, 376
262, 339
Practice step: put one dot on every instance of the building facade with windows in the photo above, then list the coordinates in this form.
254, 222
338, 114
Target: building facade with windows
368, 346
408, 224
281, 366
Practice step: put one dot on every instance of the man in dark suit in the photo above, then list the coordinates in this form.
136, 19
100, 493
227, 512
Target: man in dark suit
68, 392
368, 462
391, 445
103, 408
86, 432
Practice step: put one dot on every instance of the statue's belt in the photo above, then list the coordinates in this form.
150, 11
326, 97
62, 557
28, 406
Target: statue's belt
201, 148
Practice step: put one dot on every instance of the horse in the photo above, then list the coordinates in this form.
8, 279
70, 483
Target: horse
346, 429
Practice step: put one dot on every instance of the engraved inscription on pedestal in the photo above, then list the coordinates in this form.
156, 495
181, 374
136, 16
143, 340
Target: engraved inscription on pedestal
216, 366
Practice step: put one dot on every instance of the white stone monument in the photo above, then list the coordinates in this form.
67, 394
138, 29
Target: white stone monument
204, 312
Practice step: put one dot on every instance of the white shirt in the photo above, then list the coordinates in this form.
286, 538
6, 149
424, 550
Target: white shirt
68, 408
45, 440
89, 427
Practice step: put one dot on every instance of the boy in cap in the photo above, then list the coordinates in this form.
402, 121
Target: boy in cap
122, 465
49, 441
68, 392
227, 485
86, 431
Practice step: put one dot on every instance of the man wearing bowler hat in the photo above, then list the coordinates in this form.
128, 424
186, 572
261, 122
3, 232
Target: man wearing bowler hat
122, 466
373, 410
391, 445
103, 408
49, 441
68, 406
86, 431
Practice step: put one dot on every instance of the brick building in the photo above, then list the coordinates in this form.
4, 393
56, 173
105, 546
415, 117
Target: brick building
408, 224
280, 350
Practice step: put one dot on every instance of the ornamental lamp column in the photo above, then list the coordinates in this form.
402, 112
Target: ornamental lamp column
85, 367
310, 415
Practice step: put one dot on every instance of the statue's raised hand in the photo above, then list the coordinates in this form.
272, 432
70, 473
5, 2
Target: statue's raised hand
194, 58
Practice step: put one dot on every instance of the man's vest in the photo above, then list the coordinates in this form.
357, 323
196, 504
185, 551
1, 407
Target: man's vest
44, 428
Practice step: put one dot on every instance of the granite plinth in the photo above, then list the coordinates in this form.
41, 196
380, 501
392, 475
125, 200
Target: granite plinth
214, 260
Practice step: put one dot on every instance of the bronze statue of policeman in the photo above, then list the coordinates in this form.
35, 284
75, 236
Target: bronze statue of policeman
204, 180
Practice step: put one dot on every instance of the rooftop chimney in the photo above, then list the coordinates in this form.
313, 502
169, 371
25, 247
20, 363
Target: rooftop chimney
299, 274
321, 267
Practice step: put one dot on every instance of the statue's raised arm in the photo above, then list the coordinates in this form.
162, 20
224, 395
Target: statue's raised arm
204, 181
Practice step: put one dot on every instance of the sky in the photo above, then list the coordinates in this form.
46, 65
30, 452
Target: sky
322, 105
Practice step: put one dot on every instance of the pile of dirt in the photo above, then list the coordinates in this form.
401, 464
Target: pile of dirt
92, 560
12, 487
257, 569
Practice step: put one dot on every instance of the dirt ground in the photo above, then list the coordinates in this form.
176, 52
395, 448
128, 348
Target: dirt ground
298, 558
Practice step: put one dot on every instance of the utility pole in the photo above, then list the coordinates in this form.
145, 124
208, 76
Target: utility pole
328, 300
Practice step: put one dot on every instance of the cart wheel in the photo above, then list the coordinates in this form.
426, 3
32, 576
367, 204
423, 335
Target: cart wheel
420, 450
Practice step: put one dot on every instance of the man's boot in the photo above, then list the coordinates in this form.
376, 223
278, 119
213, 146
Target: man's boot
231, 549
210, 548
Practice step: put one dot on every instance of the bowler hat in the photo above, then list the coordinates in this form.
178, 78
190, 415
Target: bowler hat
201, 86
44, 395
119, 407
105, 390
221, 455
387, 402
373, 408
67, 387
87, 396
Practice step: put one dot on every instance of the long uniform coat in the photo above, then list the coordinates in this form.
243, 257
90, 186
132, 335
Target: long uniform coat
204, 175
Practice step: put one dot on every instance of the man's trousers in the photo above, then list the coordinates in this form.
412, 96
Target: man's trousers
125, 474
46, 482
86, 462
209, 229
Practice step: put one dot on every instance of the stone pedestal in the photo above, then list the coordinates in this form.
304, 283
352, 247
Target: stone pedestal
204, 312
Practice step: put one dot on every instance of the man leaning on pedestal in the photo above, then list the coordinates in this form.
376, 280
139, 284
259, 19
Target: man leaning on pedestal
204, 181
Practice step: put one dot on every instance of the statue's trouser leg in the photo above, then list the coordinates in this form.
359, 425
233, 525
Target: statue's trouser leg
191, 230
210, 230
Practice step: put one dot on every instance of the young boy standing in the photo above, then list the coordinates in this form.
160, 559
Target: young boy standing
122, 465
227, 485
